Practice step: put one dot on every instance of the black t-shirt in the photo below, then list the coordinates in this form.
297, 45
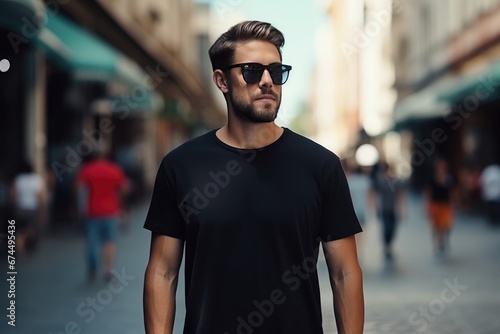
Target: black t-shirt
252, 221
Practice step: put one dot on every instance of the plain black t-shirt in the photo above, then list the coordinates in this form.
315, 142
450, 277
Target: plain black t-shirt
252, 221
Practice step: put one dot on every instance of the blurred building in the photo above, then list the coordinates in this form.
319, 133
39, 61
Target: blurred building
85, 72
447, 61
353, 95
335, 87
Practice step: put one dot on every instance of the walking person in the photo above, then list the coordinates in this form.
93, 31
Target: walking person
360, 184
252, 203
29, 198
439, 195
390, 205
490, 190
103, 183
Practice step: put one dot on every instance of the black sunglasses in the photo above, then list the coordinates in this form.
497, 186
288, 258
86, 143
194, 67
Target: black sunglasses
252, 72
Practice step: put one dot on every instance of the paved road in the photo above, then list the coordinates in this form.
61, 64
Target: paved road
422, 293
418, 294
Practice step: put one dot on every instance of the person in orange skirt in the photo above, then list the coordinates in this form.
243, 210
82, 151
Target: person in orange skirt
439, 196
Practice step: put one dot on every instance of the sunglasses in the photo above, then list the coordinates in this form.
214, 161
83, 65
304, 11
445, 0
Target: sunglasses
252, 72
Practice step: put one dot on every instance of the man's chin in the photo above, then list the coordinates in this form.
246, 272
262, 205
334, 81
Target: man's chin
265, 116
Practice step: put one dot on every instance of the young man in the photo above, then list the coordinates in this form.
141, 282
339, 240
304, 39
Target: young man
104, 183
252, 202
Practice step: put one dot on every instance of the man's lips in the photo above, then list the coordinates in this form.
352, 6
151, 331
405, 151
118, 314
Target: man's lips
266, 97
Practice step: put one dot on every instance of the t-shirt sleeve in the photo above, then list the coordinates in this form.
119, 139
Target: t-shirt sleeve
338, 216
164, 216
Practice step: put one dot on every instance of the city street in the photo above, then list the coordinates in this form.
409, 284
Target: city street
420, 293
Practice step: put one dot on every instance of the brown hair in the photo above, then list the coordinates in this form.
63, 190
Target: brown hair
222, 51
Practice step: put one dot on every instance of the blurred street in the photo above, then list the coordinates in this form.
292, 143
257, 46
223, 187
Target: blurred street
416, 294
407, 87
421, 293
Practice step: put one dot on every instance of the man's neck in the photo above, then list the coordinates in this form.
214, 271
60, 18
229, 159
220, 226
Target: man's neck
249, 135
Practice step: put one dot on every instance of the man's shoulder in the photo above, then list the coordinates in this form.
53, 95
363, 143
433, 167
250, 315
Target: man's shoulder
305, 145
190, 148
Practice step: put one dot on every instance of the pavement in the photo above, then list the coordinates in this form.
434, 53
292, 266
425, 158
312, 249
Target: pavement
419, 293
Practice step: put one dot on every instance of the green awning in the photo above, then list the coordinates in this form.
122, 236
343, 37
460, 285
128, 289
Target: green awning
19, 16
83, 54
88, 58
421, 106
484, 86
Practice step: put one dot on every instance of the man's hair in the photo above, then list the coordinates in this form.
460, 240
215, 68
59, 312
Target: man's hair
222, 51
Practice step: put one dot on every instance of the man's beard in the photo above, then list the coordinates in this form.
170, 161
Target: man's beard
249, 112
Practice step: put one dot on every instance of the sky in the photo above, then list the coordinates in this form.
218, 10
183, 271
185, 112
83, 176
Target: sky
298, 21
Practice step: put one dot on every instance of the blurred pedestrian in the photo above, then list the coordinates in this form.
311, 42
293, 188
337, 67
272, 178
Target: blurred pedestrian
490, 189
439, 196
101, 183
252, 202
29, 198
360, 183
390, 205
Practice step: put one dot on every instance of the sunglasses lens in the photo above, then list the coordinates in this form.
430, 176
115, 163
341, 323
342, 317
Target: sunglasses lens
252, 73
279, 74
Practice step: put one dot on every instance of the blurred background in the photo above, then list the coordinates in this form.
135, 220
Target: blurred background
416, 80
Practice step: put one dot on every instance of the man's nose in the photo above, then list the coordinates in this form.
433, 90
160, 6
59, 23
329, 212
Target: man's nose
266, 79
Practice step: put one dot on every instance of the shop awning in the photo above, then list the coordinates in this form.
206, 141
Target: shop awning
18, 16
83, 54
484, 86
88, 58
420, 106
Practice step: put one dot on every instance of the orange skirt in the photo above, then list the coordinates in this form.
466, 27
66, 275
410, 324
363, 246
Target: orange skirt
441, 215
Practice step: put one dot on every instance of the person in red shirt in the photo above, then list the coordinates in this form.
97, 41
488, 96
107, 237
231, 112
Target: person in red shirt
101, 183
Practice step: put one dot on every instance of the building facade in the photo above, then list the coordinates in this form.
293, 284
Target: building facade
353, 93
446, 54
88, 73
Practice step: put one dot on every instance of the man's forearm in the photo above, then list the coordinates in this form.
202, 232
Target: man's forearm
159, 301
349, 303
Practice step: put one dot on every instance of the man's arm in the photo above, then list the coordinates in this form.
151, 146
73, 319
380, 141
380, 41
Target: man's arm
346, 280
160, 283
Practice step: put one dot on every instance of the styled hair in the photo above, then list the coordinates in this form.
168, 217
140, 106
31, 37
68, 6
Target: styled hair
222, 51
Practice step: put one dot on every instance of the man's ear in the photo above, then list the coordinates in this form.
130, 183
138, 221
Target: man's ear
221, 81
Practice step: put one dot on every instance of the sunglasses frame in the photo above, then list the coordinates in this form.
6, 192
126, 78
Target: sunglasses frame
287, 68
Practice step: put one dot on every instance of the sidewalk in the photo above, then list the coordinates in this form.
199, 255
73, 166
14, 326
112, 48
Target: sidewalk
422, 293
419, 294
53, 295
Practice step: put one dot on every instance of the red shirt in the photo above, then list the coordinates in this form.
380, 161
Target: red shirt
103, 180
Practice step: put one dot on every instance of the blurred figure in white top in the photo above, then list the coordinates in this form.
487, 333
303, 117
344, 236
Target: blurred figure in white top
30, 207
490, 188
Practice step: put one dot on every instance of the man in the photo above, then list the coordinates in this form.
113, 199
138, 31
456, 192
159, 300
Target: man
490, 187
439, 196
389, 201
102, 182
252, 202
